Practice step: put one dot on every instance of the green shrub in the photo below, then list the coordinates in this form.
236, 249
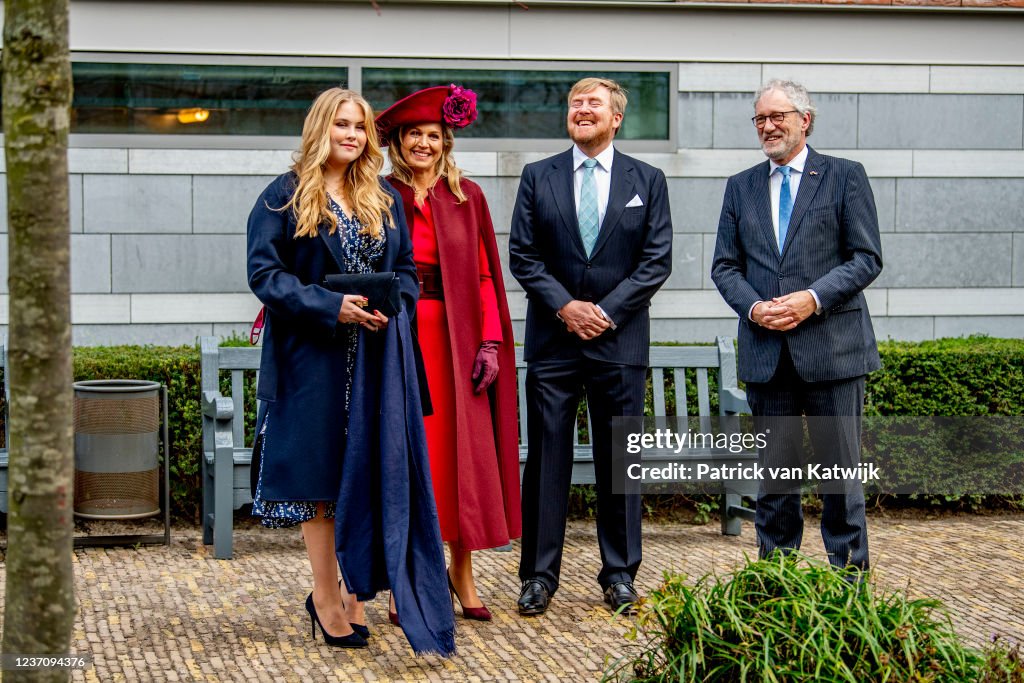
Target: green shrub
795, 620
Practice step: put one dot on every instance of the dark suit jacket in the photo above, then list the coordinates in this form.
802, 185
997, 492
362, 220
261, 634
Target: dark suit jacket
631, 259
832, 247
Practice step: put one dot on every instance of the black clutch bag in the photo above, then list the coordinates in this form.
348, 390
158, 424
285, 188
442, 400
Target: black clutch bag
381, 289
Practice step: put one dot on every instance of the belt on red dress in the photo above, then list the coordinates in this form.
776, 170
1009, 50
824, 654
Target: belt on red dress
430, 283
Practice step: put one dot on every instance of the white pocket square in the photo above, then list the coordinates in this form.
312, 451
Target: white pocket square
635, 201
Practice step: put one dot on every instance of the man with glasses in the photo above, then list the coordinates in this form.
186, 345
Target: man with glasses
797, 244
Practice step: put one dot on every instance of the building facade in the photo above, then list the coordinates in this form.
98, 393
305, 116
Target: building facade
929, 98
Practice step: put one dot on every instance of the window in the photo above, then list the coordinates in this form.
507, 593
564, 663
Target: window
196, 99
528, 104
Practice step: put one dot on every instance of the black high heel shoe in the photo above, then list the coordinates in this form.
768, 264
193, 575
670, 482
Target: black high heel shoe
351, 640
361, 629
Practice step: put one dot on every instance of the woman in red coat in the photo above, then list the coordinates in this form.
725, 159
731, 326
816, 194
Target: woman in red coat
464, 331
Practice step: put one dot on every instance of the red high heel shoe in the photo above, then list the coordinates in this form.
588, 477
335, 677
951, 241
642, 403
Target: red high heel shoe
392, 616
476, 613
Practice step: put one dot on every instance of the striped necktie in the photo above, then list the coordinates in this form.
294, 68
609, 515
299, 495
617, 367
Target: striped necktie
785, 206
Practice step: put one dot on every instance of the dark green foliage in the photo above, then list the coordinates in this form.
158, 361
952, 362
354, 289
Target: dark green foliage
796, 620
973, 376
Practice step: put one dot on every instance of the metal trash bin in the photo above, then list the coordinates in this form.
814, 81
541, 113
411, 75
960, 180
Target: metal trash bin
117, 449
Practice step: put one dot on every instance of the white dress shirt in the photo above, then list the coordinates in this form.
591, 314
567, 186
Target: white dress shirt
775, 184
602, 176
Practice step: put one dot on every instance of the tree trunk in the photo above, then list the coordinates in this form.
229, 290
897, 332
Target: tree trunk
39, 606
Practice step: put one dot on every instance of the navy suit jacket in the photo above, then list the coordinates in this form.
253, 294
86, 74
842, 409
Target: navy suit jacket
832, 247
631, 259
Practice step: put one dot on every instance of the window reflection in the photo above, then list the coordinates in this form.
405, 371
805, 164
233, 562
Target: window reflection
528, 104
171, 98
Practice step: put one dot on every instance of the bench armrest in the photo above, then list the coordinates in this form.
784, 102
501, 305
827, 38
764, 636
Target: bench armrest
733, 401
217, 407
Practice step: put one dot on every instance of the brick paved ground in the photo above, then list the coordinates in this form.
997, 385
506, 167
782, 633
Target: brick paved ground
175, 614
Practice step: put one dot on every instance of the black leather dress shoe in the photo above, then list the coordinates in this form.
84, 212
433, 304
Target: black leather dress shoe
534, 598
622, 597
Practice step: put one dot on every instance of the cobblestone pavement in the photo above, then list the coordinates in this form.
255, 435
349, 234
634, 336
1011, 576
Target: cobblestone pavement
157, 613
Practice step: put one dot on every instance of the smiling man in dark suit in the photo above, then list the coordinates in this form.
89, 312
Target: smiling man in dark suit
591, 243
797, 244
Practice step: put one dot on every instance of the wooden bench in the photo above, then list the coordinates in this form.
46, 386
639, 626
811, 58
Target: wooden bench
227, 447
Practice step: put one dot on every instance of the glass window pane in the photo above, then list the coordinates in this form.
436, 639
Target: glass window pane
196, 99
528, 104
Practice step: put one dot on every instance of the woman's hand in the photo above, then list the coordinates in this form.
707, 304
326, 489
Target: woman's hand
353, 311
377, 322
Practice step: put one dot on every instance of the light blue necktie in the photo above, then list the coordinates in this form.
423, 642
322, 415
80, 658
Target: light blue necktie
785, 206
587, 213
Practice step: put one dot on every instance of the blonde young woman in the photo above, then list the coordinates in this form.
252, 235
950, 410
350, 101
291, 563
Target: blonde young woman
323, 363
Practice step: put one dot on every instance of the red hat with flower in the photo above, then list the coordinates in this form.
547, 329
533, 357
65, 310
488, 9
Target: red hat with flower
452, 105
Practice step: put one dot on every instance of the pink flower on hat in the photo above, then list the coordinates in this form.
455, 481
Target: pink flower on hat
459, 108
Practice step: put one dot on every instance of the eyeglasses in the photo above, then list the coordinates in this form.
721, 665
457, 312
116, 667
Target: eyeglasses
776, 117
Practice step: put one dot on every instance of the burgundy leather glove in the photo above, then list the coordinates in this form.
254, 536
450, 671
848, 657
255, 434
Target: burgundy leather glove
485, 367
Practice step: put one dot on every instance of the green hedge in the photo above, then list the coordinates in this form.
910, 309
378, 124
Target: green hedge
974, 376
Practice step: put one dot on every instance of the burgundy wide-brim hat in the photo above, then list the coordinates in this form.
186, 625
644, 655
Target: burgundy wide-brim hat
450, 105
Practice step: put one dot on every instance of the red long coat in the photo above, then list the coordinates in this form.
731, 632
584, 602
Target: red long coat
481, 508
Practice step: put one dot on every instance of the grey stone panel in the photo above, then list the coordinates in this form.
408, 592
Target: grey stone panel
137, 204
90, 264
501, 210
222, 203
709, 257
75, 202
511, 284
687, 262
173, 263
835, 126
959, 204
695, 120
114, 335
732, 127
903, 329
3, 202
941, 121
3, 263
884, 190
696, 203
501, 198
972, 260
695, 330
1009, 326
1018, 260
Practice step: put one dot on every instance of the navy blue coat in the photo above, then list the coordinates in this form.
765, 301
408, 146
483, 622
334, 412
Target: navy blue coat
631, 259
302, 368
832, 247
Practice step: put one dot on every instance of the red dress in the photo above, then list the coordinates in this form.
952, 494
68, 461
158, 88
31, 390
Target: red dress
436, 345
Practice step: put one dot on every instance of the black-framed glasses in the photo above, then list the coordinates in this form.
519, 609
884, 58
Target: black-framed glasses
776, 117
